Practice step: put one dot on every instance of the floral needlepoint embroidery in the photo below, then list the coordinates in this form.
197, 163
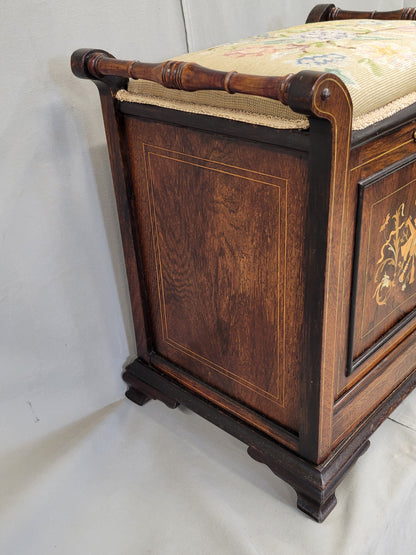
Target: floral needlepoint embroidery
321, 59
327, 35
396, 265
252, 50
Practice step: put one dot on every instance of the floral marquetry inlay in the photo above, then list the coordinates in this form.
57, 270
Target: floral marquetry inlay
384, 288
396, 265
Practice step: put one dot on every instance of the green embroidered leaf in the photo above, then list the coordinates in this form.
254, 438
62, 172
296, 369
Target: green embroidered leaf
376, 70
275, 41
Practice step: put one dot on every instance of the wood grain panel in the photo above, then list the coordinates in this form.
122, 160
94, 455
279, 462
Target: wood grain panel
220, 271
220, 242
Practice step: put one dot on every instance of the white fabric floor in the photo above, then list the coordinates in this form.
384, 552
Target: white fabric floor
150, 480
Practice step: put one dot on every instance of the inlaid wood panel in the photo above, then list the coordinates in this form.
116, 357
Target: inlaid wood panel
220, 272
222, 255
366, 163
384, 294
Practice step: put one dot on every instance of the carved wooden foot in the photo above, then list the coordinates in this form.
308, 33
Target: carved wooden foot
314, 484
318, 509
140, 392
137, 396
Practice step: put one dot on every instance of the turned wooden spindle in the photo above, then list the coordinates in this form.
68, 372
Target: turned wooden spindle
329, 12
97, 64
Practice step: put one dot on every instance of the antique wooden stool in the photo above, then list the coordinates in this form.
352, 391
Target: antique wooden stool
266, 192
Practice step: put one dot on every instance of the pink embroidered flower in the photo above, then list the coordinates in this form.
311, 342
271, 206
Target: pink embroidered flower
252, 50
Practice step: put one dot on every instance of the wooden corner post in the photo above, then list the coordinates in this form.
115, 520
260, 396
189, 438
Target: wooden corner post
326, 99
84, 65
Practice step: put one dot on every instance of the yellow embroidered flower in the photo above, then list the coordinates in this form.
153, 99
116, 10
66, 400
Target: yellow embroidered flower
395, 56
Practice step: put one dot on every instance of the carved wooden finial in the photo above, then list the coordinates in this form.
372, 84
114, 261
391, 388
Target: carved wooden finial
84, 60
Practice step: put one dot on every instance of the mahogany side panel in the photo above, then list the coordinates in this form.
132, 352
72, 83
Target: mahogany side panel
222, 221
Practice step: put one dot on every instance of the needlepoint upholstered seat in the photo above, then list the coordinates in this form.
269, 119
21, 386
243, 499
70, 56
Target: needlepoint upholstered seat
375, 59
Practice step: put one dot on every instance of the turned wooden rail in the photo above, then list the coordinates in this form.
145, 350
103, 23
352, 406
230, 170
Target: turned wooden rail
329, 12
186, 76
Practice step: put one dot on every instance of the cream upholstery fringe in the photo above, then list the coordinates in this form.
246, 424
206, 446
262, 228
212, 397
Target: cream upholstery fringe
301, 122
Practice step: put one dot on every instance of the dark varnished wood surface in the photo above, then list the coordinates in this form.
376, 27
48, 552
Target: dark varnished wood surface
222, 261
329, 159
360, 400
289, 140
386, 165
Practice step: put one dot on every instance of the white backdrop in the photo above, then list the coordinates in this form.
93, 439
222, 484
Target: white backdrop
65, 324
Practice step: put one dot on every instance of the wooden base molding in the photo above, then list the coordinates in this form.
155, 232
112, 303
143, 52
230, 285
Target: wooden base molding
315, 485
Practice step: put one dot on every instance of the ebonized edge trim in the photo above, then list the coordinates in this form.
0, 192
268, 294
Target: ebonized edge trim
384, 127
298, 139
